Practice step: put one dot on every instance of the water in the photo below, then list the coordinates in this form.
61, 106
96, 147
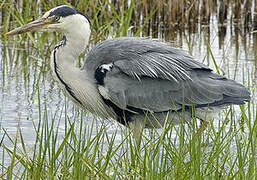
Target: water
23, 69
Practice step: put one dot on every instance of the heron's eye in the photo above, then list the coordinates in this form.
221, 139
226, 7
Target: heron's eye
55, 19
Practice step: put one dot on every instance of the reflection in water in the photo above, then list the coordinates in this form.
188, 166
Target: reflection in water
222, 30
255, 57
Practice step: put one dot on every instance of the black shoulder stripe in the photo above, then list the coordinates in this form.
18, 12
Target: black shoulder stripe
99, 76
101, 71
124, 117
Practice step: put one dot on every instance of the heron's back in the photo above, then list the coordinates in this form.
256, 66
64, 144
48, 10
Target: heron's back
145, 75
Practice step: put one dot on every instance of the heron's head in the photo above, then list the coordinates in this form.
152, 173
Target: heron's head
61, 19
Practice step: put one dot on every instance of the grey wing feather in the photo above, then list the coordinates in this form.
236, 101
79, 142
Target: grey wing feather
147, 94
142, 57
150, 75
160, 95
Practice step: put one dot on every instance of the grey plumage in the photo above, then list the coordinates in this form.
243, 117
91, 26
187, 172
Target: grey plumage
151, 75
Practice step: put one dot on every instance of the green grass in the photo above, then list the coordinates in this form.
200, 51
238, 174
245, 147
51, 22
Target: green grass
225, 150
69, 146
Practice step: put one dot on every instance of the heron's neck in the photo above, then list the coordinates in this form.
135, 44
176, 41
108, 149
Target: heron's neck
64, 59
73, 44
75, 81
66, 55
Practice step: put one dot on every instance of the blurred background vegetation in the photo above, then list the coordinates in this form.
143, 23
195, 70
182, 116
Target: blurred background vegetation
154, 16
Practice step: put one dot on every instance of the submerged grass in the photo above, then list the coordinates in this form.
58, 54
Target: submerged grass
72, 147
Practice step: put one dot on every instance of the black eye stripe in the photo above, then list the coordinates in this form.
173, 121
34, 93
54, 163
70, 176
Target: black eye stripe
64, 11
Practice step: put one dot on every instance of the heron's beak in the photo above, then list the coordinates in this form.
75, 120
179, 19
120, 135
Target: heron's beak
36, 25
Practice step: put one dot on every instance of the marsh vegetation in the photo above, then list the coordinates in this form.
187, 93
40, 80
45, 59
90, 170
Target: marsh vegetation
44, 135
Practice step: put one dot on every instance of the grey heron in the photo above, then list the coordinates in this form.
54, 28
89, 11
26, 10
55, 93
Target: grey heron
136, 81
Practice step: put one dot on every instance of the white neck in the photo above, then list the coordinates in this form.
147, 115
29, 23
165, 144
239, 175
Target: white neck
76, 82
64, 57
66, 54
77, 32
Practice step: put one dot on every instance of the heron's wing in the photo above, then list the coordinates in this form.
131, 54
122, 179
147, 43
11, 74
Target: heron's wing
136, 73
142, 57
158, 95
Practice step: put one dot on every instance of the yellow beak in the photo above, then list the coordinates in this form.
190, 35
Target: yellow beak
38, 24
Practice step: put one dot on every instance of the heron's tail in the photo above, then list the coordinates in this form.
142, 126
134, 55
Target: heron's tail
233, 92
